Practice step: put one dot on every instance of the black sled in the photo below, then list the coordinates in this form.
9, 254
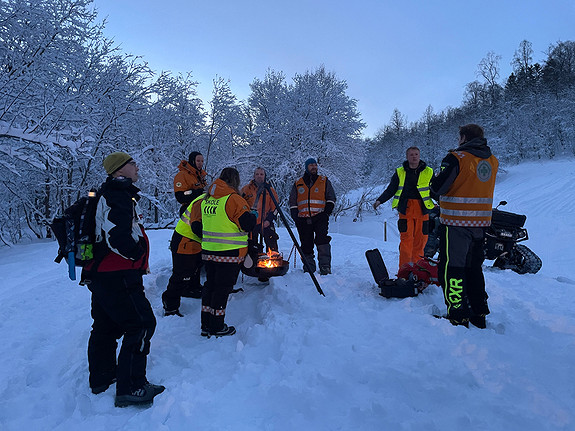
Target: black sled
390, 288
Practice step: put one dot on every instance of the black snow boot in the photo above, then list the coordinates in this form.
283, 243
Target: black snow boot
310, 259
225, 331
175, 312
478, 321
139, 397
103, 388
324, 258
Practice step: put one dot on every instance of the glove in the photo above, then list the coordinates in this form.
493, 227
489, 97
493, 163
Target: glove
329, 208
376, 204
293, 213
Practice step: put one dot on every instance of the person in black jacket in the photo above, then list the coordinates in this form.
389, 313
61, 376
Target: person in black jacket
409, 188
119, 305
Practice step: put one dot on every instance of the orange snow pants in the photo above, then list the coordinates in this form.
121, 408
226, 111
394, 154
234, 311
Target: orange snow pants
413, 228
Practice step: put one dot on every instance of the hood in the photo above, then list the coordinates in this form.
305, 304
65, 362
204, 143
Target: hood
219, 189
478, 147
186, 166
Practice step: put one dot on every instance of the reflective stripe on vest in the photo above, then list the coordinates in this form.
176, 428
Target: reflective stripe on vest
184, 226
310, 201
469, 200
423, 179
219, 232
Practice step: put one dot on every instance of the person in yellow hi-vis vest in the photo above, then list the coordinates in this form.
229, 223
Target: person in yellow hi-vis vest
223, 223
186, 249
465, 187
409, 188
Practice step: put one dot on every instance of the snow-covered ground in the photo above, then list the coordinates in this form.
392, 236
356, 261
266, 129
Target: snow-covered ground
351, 360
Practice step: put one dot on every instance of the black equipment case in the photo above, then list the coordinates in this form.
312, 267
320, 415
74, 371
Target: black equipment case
390, 288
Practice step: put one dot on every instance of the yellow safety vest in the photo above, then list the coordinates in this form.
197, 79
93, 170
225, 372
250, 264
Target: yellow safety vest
219, 232
423, 180
184, 226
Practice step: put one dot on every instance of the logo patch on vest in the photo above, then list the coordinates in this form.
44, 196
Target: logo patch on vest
210, 206
316, 190
483, 171
178, 184
301, 190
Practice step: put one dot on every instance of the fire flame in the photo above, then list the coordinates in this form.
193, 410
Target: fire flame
272, 259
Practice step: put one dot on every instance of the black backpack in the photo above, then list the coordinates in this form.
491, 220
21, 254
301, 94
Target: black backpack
76, 232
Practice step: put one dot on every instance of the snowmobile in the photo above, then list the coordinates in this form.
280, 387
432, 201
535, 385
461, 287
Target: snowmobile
501, 241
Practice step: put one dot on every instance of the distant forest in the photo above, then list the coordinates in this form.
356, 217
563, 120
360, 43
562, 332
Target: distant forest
528, 115
69, 96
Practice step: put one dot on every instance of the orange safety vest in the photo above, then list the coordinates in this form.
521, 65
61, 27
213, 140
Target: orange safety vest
469, 200
310, 201
249, 193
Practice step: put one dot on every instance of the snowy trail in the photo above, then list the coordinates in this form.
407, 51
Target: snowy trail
349, 360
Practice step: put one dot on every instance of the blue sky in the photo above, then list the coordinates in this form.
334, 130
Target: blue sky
392, 54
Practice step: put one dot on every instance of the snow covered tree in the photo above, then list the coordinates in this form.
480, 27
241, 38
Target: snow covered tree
489, 69
225, 129
559, 69
68, 98
171, 126
311, 117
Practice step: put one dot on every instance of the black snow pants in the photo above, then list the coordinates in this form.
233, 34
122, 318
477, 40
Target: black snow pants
314, 230
460, 272
185, 279
119, 309
220, 280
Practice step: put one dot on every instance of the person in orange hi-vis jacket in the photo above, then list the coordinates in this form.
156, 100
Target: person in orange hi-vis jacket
258, 198
190, 181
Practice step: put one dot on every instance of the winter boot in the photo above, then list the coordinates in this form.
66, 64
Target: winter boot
139, 397
175, 312
310, 259
324, 258
171, 304
103, 388
226, 330
478, 321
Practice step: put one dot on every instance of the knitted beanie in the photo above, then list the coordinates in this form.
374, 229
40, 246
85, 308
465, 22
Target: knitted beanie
116, 161
310, 161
